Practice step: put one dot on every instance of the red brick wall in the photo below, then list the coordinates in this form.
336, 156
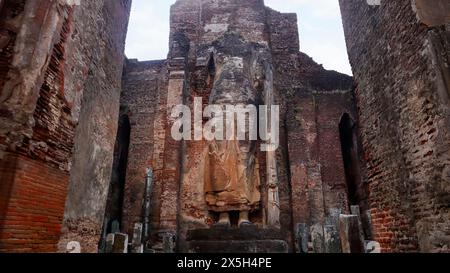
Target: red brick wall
33, 175
317, 168
143, 93
54, 128
330, 108
404, 121
32, 198
306, 179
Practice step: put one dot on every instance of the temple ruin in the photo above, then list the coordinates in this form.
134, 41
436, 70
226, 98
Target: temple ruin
88, 162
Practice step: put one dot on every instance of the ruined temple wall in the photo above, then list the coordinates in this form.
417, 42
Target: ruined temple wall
178, 195
400, 66
37, 124
246, 18
284, 45
312, 102
330, 108
60, 80
97, 44
195, 25
142, 101
50, 86
283, 29
214, 19
315, 157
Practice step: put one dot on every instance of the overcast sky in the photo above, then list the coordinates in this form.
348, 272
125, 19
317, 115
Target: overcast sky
320, 26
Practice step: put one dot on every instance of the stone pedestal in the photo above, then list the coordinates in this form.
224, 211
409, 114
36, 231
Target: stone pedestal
350, 234
236, 240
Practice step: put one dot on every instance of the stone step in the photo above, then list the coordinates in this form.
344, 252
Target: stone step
248, 239
225, 234
243, 246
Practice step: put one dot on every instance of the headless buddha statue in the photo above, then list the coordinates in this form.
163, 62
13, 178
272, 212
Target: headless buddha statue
232, 182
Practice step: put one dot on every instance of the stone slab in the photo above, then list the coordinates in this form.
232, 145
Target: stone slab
245, 246
245, 233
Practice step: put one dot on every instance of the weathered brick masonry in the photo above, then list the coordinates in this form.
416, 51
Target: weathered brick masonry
142, 101
100, 41
311, 173
399, 52
80, 126
32, 202
49, 51
37, 130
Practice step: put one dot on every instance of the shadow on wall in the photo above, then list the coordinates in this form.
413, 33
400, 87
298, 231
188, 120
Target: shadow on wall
113, 213
357, 190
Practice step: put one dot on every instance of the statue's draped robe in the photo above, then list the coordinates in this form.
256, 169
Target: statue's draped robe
231, 178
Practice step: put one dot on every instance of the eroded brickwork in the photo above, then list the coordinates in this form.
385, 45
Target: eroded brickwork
35, 117
10, 12
32, 198
54, 128
143, 94
49, 51
79, 127
401, 70
312, 102
99, 36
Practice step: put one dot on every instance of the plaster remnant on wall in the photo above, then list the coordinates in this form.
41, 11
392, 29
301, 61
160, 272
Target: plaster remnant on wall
216, 28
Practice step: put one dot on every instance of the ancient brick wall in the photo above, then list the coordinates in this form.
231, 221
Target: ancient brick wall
400, 67
96, 63
54, 128
312, 100
37, 127
316, 165
34, 29
32, 202
283, 28
330, 107
144, 88
311, 169
50, 50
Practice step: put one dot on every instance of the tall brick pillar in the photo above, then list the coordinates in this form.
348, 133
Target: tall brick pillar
173, 148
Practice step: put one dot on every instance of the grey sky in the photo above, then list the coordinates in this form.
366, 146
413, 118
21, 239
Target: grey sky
320, 26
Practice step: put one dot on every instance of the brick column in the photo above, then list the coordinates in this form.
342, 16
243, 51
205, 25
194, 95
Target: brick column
172, 156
